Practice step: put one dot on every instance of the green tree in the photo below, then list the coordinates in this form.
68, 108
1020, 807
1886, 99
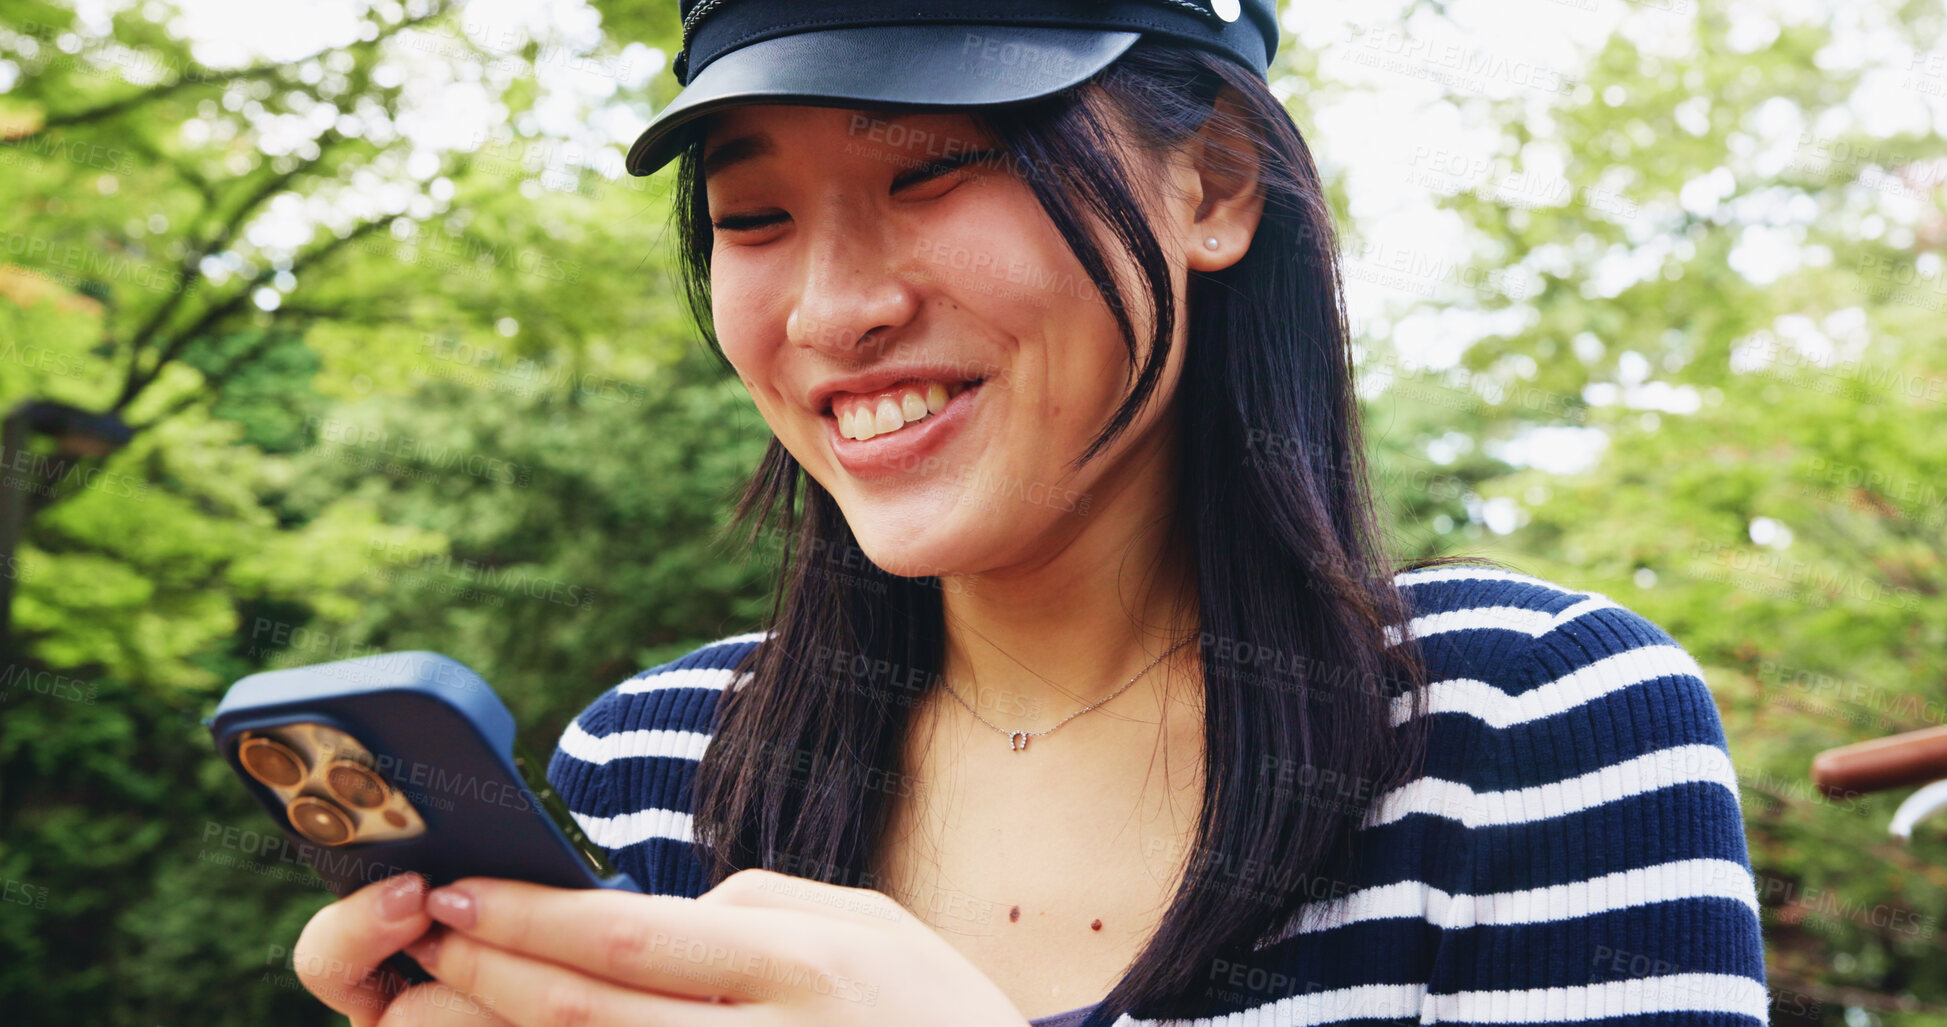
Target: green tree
1738, 287
244, 263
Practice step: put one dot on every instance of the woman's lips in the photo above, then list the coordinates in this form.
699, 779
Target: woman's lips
905, 449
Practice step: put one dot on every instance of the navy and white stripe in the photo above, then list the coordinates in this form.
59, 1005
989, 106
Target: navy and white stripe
1572, 852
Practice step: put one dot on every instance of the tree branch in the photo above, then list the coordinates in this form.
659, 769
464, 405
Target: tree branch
216, 380
166, 90
147, 96
192, 263
218, 311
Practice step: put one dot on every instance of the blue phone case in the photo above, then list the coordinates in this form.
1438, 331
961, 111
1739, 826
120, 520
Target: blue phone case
443, 739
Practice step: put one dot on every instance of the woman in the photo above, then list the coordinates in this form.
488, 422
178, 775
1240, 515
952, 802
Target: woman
1042, 306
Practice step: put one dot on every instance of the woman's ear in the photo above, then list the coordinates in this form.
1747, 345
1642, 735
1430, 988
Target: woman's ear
1228, 201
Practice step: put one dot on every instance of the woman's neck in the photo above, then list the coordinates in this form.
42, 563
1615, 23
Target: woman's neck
1031, 644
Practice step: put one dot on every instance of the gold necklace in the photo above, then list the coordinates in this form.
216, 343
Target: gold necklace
1018, 740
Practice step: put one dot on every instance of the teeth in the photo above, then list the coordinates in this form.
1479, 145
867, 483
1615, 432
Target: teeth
848, 426
890, 418
891, 413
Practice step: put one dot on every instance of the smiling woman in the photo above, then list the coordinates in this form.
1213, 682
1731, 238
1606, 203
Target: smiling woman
1042, 306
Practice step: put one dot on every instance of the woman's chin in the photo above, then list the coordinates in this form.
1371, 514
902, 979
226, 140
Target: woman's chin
939, 546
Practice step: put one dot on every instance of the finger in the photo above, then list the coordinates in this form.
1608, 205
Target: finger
768, 889
521, 989
662, 943
338, 954
439, 1004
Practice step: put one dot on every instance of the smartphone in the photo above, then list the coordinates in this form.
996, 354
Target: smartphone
401, 762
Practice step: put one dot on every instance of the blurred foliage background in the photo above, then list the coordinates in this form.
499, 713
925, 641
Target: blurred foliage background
1657, 314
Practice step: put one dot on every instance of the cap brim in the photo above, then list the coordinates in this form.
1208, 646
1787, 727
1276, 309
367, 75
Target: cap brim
883, 66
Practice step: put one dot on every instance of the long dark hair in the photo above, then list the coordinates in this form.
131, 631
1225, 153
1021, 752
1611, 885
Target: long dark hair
1295, 592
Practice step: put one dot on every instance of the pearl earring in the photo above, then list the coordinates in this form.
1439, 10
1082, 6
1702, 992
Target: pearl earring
1211, 243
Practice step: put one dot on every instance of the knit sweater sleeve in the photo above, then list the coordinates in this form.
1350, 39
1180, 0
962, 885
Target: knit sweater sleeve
626, 765
1606, 873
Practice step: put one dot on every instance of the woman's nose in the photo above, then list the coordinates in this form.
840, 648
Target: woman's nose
850, 284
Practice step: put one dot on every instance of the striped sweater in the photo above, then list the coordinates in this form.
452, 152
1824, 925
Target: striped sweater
1572, 852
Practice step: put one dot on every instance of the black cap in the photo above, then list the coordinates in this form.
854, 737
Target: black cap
876, 53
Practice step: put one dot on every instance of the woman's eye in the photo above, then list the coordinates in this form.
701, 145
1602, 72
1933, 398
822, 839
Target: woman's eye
934, 169
745, 222
923, 173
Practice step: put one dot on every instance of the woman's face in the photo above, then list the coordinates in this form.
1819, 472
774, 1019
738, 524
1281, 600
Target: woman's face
921, 339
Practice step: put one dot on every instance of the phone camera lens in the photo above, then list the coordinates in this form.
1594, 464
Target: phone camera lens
320, 821
356, 784
271, 762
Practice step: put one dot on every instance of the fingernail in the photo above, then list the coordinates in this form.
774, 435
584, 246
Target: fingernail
402, 898
452, 907
425, 951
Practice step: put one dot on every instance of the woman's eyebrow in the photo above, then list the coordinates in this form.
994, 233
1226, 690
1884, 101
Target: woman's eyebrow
733, 151
758, 144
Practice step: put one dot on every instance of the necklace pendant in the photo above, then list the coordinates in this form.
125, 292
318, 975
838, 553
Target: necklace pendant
1018, 741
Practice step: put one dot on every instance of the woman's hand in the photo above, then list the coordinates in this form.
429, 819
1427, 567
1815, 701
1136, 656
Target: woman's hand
337, 958
760, 948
